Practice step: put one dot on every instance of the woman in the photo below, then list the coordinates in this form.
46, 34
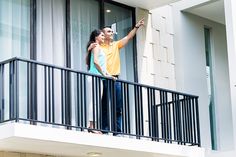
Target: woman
96, 64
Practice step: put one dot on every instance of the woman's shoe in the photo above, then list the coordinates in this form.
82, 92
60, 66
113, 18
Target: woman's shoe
90, 130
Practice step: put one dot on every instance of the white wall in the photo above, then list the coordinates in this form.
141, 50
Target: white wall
230, 11
191, 72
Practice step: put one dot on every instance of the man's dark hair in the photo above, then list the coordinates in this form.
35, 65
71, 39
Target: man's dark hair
106, 27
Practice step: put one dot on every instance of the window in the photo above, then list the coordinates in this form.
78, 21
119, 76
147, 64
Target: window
87, 15
51, 31
51, 36
120, 19
14, 29
14, 42
210, 87
84, 19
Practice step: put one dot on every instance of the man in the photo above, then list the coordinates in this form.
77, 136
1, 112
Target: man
112, 51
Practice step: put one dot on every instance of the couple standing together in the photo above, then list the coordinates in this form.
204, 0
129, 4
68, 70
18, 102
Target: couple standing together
103, 58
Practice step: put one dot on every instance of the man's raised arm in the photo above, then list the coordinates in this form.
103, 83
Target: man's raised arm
132, 33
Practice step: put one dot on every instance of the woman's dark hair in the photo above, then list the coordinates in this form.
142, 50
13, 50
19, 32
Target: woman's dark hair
92, 39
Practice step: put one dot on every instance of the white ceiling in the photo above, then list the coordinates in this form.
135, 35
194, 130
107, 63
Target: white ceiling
213, 11
146, 4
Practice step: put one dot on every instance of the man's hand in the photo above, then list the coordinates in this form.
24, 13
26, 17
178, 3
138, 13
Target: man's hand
140, 23
92, 46
132, 33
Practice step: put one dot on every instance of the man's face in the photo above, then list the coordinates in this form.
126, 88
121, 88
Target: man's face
108, 32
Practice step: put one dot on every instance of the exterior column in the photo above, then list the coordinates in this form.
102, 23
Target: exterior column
230, 19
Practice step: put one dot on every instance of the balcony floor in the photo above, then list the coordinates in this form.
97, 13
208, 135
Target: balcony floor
18, 137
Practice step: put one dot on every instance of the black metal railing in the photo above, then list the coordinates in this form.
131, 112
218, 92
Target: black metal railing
37, 92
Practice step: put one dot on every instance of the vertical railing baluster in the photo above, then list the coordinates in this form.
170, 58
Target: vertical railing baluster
156, 118
68, 100
136, 111
166, 116
198, 123
174, 115
81, 89
11, 91
101, 105
150, 127
100, 91
141, 108
45, 93
78, 100
123, 108
109, 101
28, 90
33, 92
177, 116
49, 95
2, 105
194, 121
184, 122
93, 100
83, 105
53, 94
153, 114
96, 102
168, 119
114, 106
162, 115
17, 89
128, 109
62, 98
139, 111
190, 120
180, 124
187, 119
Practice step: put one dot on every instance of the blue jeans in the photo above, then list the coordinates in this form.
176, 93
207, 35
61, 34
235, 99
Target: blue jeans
119, 106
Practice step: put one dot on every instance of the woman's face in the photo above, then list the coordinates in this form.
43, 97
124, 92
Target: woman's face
100, 38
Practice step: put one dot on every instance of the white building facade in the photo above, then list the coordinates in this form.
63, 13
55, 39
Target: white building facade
203, 48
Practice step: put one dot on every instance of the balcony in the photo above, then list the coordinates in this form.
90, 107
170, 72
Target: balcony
40, 101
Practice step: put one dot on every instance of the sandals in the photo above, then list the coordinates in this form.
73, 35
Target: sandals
91, 130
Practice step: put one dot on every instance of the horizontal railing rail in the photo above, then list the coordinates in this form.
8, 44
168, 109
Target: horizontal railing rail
37, 92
